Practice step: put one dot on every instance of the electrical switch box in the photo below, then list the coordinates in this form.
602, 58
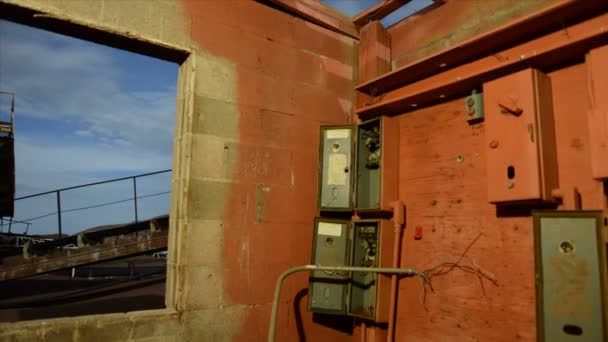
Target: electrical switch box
570, 258
520, 138
370, 292
377, 164
597, 116
365, 243
331, 247
335, 173
369, 180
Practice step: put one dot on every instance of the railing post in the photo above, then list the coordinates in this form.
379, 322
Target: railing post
59, 217
135, 197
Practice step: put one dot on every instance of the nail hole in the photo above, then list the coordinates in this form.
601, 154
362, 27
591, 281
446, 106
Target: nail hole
510, 172
573, 330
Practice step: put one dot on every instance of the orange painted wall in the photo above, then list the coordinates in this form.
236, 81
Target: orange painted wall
447, 199
447, 196
292, 76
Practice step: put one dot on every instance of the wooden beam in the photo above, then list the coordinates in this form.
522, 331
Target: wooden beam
565, 45
374, 55
318, 13
540, 22
378, 11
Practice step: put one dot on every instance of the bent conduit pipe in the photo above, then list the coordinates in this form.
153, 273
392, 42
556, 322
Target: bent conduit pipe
399, 222
408, 272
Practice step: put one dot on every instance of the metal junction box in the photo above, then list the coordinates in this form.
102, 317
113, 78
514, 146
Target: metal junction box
331, 247
365, 243
520, 138
570, 276
367, 182
377, 158
335, 168
598, 114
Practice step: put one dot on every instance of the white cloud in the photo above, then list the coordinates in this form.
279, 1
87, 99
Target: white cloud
111, 127
84, 133
80, 84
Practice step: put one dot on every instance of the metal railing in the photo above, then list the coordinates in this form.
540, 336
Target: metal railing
59, 211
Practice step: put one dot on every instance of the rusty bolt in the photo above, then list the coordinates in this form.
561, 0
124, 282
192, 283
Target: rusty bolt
494, 144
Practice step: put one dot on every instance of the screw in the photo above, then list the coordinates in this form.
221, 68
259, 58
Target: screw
459, 158
494, 144
510, 185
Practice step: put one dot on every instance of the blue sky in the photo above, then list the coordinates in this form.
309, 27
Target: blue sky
354, 7
86, 112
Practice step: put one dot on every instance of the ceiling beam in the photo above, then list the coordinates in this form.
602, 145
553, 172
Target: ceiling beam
318, 13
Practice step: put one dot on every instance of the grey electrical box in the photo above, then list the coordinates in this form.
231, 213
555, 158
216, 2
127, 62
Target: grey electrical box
369, 149
358, 169
364, 243
474, 107
335, 168
331, 247
570, 276
363, 289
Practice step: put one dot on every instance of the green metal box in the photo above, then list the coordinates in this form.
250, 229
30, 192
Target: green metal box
570, 263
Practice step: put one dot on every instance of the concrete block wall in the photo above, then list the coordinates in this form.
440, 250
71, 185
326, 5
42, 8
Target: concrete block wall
252, 93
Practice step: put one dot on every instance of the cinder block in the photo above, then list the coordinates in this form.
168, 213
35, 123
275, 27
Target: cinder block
204, 243
203, 287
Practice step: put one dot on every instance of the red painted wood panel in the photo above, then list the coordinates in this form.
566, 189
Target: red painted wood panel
448, 199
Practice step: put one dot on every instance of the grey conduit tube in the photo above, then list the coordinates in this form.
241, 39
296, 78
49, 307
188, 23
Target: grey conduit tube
408, 272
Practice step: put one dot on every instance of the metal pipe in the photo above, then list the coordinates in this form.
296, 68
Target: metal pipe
60, 228
363, 331
409, 272
135, 196
399, 222
91, 184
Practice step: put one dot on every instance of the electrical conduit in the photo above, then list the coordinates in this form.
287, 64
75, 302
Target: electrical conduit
408, 272
399, 224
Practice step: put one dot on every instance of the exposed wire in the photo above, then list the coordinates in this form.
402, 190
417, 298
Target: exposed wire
449, 263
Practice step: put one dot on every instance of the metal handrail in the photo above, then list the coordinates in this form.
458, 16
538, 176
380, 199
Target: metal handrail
58, 192
91, 184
